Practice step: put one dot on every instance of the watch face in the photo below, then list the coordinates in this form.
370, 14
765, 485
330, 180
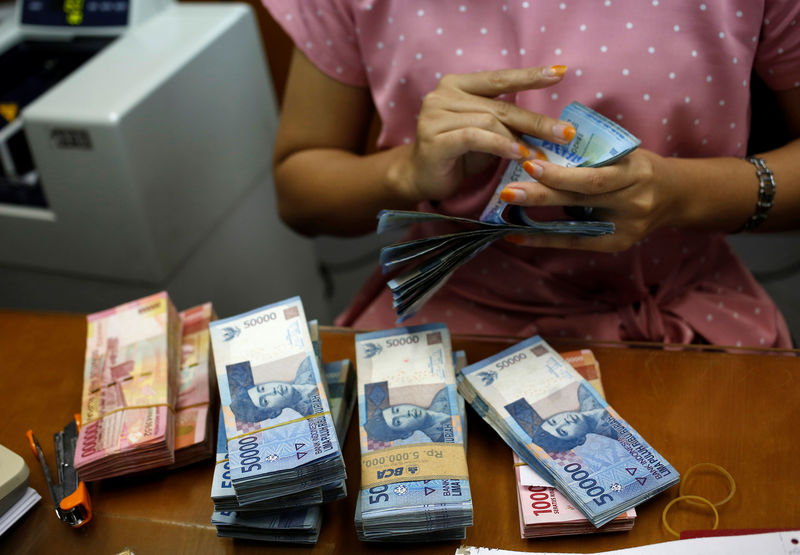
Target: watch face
75, 13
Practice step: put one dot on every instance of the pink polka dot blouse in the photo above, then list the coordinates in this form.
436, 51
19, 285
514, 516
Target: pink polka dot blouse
676, 73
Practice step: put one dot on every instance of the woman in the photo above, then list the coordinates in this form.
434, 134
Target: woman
455, 85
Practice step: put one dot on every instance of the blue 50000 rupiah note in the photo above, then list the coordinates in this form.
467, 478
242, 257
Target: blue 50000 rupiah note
558, 424
414, 478
281, 436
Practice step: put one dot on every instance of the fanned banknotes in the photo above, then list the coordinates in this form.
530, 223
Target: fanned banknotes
129, 389
430, 261
295, 518
559, 425
281, 437
414, 478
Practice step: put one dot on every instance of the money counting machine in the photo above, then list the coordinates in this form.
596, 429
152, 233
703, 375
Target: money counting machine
128, 128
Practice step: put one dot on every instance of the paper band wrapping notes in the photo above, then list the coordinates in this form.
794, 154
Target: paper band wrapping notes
421, 461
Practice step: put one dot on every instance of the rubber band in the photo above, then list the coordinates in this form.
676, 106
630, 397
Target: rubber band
712, 466
120, 409
287, 422
688, 498
201, 404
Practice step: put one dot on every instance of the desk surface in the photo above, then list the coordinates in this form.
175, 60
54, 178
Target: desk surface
740, 411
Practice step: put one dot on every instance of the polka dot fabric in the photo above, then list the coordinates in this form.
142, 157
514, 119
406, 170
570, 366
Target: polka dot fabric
675, 73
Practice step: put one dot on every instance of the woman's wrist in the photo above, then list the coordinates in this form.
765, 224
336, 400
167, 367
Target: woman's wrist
716, 194
400, 176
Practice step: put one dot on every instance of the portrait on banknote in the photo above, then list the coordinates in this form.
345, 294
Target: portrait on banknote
570, 426
258, 394
387, 422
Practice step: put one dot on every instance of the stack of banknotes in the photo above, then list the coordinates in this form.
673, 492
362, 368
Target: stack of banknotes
563, 428
281, 439
294, 518
197, 390
543, 511
129, 389
414, 478
427, 263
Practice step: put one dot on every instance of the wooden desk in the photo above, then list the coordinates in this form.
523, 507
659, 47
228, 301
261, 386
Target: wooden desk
741, 411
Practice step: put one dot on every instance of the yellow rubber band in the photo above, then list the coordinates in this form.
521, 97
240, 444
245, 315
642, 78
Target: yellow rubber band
688, 498
712, 466
201, 404
132, 407
327, 412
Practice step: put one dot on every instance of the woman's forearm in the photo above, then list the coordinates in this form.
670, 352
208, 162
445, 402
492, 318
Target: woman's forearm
323, 184
337, 192
721, 193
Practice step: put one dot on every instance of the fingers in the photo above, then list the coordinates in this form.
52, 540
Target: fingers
502, 81
475, 93
462, 126
516, 118
458, 134
633, 194
452, 144
583, 182
431, 127
536, 194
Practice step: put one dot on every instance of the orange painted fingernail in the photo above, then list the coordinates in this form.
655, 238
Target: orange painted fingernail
539, 155
564, 131
556, 71
527, 165
534, 170
509, 194
523, 150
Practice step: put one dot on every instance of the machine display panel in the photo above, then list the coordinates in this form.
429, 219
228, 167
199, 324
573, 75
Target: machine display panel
76, 13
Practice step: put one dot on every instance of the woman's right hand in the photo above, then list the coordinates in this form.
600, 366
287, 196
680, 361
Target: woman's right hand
463, 126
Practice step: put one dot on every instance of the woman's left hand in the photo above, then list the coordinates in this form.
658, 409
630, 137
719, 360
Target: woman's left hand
637, 194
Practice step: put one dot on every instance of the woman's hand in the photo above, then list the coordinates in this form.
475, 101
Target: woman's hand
462, 127
639, 194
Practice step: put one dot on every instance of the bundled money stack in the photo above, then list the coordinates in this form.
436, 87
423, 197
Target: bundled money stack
194, 414
294, 518
129, 389
414, 479
559, 425
300, 526
543, 511
278, 423
427, 263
